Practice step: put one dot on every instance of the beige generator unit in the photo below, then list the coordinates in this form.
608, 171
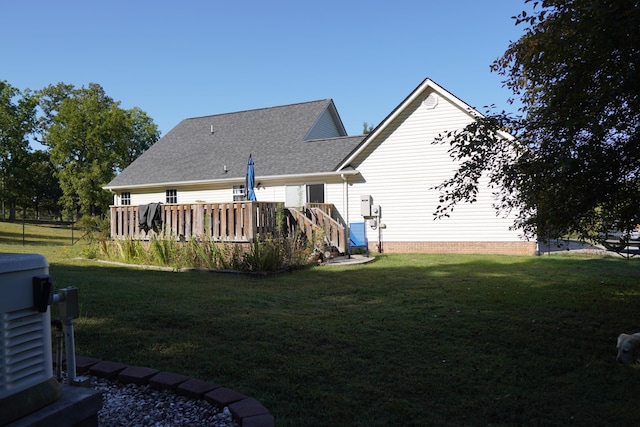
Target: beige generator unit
26, 372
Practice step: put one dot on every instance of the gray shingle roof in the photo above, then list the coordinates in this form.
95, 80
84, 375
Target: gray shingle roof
273, 136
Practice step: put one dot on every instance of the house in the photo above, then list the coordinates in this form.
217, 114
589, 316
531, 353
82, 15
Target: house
303, 155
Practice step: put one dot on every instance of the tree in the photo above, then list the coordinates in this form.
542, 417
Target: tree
17, 121
367, 128
42, 187
90, 139
573, 165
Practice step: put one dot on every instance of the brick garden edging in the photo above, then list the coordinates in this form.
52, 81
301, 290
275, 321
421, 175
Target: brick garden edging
247, 412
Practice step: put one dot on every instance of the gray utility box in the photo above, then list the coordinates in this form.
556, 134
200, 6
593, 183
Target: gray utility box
365, 206
26, 369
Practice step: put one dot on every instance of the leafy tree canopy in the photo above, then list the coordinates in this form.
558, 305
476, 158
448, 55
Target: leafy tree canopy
17, 121
41, 186
573, 165
90, 138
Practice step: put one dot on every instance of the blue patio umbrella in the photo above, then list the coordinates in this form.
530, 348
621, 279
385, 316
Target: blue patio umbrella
251, 180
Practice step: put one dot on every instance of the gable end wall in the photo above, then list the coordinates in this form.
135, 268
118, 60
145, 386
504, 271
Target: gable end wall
400, 169
325, 127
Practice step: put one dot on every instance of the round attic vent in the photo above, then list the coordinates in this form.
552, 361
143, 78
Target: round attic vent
431, 101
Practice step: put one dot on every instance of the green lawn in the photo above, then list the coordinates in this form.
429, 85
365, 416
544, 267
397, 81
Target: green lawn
406, 340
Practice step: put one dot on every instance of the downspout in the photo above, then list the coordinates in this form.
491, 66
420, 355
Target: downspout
345, 203
380, 232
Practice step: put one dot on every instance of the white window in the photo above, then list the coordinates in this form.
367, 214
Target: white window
239, 193
125, 198
172, 196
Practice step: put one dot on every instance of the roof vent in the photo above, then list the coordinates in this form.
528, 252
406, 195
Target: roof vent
431, 101
211, 129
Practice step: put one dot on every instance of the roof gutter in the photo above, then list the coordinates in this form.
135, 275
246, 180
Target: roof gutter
307, 176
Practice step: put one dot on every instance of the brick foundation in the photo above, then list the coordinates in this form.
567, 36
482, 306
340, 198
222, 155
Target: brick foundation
497, 248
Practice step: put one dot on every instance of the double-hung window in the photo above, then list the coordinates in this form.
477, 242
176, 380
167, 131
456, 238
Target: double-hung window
172, 196
239, 193
125, 198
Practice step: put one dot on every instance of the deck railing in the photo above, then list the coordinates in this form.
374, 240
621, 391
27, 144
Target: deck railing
226, 222
232, 221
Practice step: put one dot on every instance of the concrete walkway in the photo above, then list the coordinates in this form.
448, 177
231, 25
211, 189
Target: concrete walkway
345, 260
569, 246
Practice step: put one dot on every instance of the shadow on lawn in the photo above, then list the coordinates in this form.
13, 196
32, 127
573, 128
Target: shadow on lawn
16, 238
416, 340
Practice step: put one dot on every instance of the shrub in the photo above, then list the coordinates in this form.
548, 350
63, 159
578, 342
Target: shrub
94, 228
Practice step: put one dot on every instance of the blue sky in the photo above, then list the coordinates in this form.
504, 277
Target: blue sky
192, 58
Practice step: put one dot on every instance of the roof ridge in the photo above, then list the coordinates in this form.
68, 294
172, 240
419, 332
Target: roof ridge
325, 100
333, 138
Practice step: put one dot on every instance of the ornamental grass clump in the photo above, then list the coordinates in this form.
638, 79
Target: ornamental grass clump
163, 251
264, 254
276, 254
128, 250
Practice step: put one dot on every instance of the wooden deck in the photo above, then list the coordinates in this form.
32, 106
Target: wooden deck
230, 222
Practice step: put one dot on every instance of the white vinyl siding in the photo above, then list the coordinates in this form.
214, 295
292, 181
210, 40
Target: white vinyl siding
146, 198
186, 196
402, 168
219, 195
335, 193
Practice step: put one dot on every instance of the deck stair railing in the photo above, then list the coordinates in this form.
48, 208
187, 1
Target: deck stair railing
317, 220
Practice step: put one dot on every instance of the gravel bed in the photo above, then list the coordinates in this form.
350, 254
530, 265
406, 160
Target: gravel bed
136, 405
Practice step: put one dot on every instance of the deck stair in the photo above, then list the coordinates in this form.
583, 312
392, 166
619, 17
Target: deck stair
317, 221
